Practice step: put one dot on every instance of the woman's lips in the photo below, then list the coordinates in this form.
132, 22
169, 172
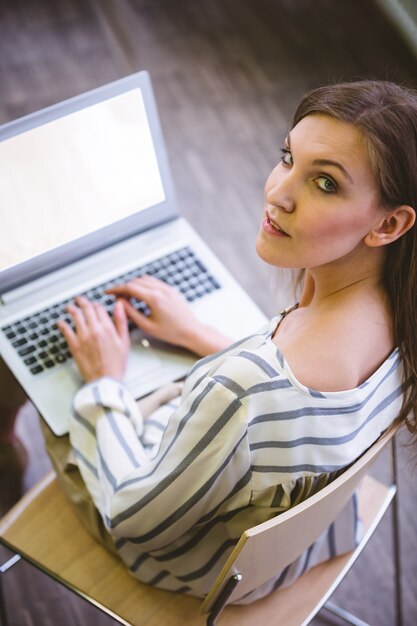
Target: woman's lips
273, 228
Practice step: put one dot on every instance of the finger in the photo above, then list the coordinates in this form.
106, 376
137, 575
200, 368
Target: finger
132, 289
78, 319
102, 317
153, 283
146, 280
88, 309
138, 318
136, 289
68, 334
121, 321
153, 280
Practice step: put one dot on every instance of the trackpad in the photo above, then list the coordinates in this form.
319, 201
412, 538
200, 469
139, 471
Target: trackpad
144, 363
153, 363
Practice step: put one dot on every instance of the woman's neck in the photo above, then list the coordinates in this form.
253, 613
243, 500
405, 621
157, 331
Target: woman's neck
324, 284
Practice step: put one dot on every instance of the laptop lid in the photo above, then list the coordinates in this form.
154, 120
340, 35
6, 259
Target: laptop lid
54, 213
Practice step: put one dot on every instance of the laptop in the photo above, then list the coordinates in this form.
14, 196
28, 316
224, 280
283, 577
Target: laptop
87, 202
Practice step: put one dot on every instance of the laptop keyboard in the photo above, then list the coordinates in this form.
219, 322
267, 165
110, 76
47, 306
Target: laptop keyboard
40, 344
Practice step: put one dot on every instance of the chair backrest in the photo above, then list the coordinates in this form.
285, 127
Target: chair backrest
268, 548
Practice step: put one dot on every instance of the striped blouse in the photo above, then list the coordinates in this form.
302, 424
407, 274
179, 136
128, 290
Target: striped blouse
244, 442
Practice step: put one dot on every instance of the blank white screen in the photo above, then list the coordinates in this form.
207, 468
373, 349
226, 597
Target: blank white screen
74, 175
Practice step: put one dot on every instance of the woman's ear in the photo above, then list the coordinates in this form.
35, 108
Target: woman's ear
391, 227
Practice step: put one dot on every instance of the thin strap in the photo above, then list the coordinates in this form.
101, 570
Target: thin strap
285, 312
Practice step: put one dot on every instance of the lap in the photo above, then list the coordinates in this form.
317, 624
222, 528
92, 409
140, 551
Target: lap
69, 476
12, 397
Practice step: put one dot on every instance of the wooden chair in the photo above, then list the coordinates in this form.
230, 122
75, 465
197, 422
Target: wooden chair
44, 530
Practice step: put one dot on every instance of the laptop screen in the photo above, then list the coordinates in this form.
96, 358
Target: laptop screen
78, 181
85, 171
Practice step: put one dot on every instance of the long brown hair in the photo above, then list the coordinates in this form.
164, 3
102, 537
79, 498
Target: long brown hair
386, 115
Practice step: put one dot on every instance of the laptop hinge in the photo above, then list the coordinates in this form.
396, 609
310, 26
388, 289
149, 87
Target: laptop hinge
33, 287
72, 278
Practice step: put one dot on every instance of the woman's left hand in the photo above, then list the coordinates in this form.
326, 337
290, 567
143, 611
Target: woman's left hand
99, 345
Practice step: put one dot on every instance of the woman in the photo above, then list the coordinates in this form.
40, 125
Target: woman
270, 420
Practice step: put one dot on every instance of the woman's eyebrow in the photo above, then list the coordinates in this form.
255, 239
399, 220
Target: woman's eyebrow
324, 162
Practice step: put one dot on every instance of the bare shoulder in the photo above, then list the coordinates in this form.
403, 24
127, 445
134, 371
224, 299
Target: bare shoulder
337, 350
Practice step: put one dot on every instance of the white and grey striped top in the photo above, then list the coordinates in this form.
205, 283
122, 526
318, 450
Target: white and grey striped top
246, 441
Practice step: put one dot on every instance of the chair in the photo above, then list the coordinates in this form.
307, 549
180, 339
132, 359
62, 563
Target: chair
44, 530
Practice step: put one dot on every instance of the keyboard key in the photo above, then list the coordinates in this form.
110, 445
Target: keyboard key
19, 342
27, 350
36, 369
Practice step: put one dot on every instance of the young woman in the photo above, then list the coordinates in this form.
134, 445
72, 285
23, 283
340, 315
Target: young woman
262, 424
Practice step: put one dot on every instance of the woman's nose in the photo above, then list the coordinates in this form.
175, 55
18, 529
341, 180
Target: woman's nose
281, 194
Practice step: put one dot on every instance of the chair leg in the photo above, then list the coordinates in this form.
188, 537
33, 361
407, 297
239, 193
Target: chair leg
3, 568
396, 536
3, 614
8, 564
223, 597
345, 615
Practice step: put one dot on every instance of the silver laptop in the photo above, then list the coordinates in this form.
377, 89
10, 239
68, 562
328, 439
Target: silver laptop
86, 202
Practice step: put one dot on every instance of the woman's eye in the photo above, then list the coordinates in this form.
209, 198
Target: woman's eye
286, 156
325, 184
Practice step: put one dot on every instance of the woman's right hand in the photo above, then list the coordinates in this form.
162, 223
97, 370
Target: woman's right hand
171, 318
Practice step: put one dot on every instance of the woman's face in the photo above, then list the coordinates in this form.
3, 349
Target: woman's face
321, 199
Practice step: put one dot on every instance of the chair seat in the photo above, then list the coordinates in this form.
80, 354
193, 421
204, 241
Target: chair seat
45, 530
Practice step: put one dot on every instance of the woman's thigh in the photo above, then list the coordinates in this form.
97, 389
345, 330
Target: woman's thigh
12, 397
70, 479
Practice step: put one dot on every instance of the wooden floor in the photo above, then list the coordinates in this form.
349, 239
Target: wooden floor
227, 74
